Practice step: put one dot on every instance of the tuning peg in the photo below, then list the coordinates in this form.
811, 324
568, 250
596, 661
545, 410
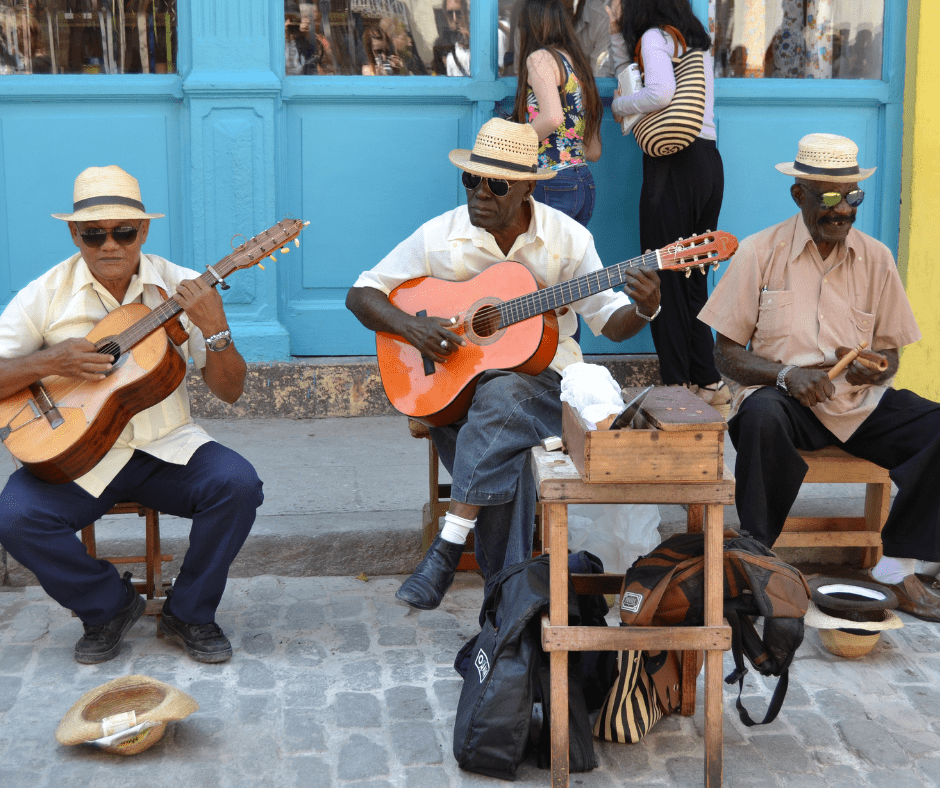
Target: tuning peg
285, 249
260, 266
715, 266
273, 258
688, 272
297, 242
703, 269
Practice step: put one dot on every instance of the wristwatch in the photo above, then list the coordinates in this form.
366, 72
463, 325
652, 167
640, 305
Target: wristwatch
782, 378
648, 318
218, 342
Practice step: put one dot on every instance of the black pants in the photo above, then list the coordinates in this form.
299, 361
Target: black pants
681, 197
902, 435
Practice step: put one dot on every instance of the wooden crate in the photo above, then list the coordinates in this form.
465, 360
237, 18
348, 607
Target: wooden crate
682, 440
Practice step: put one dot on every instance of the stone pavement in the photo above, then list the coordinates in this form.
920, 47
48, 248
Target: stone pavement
334, 683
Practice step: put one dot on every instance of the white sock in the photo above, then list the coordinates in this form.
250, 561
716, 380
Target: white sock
928, 567
893, 570
456, 528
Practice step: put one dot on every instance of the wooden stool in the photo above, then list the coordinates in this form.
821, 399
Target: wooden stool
154, 587
835, 466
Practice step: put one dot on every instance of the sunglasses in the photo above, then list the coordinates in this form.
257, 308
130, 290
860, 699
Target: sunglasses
498, 186
454, 14
95, 237
832, 199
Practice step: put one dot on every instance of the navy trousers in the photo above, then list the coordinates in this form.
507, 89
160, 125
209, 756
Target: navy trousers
902, 435
217, 489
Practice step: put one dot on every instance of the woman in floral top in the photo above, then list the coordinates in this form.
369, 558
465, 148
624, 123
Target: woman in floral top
556, 94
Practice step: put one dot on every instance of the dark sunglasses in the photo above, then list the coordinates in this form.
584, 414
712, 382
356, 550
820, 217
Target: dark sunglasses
498, 186
454, 14
832, 199
96, 236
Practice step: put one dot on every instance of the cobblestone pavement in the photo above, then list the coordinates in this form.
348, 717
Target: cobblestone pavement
334, 683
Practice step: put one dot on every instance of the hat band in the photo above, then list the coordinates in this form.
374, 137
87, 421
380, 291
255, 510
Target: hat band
107, 200
508, 165
825, 170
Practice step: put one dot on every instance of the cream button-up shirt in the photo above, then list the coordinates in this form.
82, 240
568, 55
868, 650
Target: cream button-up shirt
792, 307
555, 248
67, 302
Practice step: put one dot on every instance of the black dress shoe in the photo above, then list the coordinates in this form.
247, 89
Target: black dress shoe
102, 642
203, 642
427, 585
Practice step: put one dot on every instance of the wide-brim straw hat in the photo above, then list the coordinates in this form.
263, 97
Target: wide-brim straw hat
103, 193
504, 149
124, 716
826, 157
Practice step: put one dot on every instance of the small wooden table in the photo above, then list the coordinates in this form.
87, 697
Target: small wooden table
559, 484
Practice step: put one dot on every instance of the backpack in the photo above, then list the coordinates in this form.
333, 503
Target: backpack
666, 588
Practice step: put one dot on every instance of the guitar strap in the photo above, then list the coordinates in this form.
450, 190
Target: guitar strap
174, 328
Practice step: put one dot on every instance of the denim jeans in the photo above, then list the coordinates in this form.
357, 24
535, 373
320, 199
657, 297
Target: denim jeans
571, 191
218, 489
487, 454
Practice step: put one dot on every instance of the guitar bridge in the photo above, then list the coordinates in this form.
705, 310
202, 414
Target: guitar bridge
43, 407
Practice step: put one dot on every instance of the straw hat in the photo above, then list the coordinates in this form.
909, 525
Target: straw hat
125, 716
826, 157
106, 193
504, 149
850, 614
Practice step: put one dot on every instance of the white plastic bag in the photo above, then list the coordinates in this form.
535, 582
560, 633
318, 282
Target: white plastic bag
591, 390
618, 534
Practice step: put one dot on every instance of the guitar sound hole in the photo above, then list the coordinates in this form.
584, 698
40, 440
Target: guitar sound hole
486, 321
112, 349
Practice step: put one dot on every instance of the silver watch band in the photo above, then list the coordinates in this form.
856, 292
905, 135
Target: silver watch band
648, 318
782, 378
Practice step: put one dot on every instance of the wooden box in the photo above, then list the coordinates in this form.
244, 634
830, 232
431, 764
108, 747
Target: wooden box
682, 440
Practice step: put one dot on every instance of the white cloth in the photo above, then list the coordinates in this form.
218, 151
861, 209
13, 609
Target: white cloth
555, 248
67, 302
458, 61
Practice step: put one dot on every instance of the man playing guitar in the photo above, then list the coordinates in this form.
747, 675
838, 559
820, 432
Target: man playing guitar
161, 459
486, 451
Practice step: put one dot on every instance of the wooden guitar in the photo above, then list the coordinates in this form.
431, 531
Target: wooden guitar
516, 331
61, 427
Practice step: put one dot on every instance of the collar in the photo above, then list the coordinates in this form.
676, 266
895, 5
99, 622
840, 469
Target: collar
801, 238
464, 230
147, 274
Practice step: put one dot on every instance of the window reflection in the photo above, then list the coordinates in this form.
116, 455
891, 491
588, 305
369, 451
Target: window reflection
88, 36
798, 39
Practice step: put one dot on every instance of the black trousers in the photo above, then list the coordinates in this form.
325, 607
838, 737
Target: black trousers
681, 197
902, 435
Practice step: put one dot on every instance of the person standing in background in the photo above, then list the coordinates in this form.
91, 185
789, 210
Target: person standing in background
681, 193
557, 96
591, 27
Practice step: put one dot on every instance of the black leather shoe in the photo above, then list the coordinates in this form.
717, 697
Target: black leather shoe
102, 642
203, 642
427, 585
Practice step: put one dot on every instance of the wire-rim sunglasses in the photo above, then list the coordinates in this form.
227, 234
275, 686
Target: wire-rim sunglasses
94, 237
832, 199
498, 187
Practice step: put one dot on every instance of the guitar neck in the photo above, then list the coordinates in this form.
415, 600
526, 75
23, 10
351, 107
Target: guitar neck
546, 299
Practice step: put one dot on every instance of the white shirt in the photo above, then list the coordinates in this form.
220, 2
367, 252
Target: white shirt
555, 249
67, 302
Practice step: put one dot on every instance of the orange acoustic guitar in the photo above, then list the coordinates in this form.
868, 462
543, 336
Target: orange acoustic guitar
519, 334
61, 427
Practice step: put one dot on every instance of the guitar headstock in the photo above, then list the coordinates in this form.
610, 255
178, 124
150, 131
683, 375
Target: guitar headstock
264, 244
701, 251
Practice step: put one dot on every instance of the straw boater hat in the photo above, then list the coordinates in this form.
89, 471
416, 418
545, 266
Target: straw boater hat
826, 157
106, 193
504, 149
850, 614
124, 716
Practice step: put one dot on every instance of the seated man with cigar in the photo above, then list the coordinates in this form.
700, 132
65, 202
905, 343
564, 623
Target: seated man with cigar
797, 298
487, 450
161, 459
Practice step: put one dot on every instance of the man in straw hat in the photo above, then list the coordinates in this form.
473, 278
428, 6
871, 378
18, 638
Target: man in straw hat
161, 459
493, 492
795, 299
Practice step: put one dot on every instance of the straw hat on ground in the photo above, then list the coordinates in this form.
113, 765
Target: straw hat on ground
504, 149
124, 716
103, 193
850, 614
826, 157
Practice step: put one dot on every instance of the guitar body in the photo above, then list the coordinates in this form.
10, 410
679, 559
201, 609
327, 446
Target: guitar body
440, 394
94, 413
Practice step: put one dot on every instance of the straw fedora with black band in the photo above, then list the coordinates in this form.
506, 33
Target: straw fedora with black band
503, 149
826, 157
103, 193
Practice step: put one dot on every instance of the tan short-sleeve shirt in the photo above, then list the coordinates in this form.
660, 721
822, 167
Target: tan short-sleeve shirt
792, 307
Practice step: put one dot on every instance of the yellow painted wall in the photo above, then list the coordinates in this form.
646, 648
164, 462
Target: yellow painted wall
919, 244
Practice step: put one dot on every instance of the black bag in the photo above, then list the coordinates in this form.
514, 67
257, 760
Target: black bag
666, 588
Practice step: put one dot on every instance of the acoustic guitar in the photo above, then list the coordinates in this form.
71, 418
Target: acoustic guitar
516, 331
61, 427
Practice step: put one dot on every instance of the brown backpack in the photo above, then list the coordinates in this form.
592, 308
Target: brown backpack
666, 588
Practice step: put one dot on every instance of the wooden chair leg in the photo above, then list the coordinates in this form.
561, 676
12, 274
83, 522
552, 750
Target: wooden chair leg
877, 503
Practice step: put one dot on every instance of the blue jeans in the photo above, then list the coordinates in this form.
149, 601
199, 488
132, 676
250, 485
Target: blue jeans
571, 191
218, 489
487, 454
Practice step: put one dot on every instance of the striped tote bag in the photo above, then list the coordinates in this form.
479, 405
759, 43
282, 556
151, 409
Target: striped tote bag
631, 707
675, 126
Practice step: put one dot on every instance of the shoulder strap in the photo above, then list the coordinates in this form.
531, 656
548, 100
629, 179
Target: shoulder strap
738, 624
677, 39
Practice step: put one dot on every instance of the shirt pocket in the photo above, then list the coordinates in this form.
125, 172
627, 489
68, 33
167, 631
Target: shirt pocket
775, 315
864, 323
